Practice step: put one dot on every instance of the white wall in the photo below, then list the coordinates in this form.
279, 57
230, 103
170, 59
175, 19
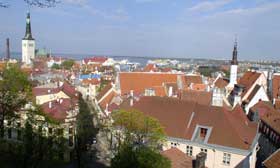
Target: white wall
214, 156
28, 51
260, 95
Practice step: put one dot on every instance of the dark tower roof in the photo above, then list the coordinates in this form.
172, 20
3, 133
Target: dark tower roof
28, 34
7, 49
234, 54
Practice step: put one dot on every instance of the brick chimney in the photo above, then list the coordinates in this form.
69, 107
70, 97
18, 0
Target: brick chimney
200, 160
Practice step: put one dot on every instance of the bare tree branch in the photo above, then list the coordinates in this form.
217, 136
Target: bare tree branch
42, 3
3, 5
37, 3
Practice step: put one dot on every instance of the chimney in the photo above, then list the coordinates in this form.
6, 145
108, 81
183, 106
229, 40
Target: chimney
131, 98
200, 160
8, 56
50, 104
170, 91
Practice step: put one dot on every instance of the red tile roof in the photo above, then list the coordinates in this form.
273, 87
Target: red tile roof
192, 79
221, 83
247, 80
139, 81
91, 81
262, 107
178, 158
200, 97
95, 60
58, 110
150, 68
273, 161
104, 91
276, 86
229, 128
272, 118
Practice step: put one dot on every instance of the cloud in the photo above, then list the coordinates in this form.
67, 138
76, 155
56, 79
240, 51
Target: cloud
208, 5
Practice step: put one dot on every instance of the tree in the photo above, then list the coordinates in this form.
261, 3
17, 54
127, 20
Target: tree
55, 66
67, 64
139, 128
139, 157
85, 132
15, 91
38, 3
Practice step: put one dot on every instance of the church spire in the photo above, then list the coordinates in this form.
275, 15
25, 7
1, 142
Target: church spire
28, 34
234, 53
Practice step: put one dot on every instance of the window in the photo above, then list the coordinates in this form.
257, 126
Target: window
189, 150
203, 150
30, 45
174, 144
226, 159
203, 132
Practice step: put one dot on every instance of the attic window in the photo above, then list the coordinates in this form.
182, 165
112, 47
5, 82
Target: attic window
201, 134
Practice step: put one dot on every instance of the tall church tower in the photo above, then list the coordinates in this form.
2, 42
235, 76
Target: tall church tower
234, 65
28, 43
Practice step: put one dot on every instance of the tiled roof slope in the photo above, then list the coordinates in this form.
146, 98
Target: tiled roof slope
273, 161
276, 86
178, 158
229, 128
221, 83
248, 79
139, 81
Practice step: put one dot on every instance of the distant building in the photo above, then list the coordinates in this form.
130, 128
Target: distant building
233, 67
28, 43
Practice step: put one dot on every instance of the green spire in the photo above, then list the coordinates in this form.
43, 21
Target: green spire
28, 34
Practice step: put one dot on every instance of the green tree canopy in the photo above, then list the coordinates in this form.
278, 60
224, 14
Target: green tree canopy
139, 157
139, 128
67, 64
15, 91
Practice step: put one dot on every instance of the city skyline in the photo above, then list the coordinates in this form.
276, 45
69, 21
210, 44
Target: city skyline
186, 30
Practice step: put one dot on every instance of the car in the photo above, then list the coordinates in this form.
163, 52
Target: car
94, 141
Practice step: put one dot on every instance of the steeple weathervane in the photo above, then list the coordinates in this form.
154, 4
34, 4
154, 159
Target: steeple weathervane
28, 34
234, 53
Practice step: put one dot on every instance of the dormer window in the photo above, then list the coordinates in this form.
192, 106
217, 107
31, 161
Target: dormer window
150, 92
201, 134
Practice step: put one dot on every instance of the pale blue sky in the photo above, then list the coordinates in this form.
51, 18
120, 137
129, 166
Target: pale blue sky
162, 28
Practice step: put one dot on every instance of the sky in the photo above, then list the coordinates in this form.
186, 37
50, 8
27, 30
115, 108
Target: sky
159, 28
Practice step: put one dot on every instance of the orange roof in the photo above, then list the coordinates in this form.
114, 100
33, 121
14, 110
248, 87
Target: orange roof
91, 81
193, 79
221, 83
276, 86
198, 87
2, 66
178, 158
107, 99
150, 68
248, 79
139, 81
159, 91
